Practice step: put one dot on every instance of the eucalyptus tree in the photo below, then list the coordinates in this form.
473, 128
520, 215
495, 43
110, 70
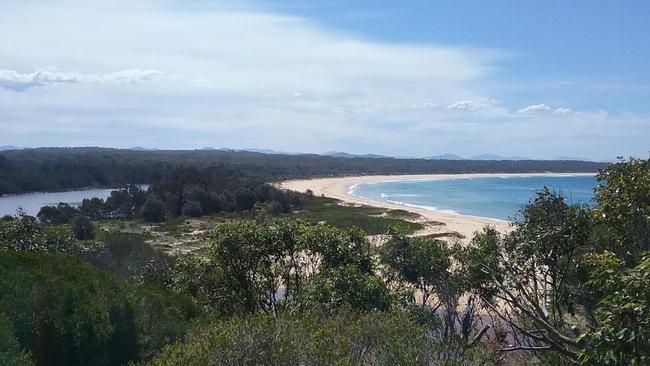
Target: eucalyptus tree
533, 278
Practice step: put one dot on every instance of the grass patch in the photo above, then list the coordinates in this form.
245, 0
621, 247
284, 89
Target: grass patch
371, 219
175, 227
402, 214
449, 234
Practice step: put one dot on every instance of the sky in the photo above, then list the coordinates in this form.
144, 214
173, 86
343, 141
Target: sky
402, 78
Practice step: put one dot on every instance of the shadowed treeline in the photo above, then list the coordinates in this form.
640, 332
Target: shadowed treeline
53, 169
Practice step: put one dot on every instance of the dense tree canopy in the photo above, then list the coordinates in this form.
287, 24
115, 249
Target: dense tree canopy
183, 192
52, 169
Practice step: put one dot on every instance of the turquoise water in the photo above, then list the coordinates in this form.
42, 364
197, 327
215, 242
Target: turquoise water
495, 197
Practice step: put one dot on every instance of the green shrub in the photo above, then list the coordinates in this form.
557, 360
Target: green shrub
82, 228
347, 338
125, 254
347, 286
11, 353
153, 209
66, 312
25, 234
192, 209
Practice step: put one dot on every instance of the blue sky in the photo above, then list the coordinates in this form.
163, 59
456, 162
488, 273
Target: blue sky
590, 54
420, 78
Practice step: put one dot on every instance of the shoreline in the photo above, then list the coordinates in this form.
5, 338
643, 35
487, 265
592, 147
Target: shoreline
341, 189
80, 189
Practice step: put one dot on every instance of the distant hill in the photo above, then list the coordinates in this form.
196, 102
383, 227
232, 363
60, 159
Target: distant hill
478, 157
9, 147
343, 154
262, 151
573, 158
340, 154
140, 148
269, 151
445, 157
498, 157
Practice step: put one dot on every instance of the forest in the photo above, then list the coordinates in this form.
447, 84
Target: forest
570, 284
58, 169
187, 192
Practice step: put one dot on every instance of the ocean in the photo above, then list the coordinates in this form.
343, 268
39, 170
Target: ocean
491, 197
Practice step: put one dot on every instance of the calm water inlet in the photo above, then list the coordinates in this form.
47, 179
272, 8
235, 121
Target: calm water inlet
31, 203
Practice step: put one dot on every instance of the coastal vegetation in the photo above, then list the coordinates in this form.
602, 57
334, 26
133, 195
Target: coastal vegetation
57, 169
372, 220
182, 192
289, 278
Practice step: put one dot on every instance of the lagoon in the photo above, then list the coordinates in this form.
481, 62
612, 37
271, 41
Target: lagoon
31, 203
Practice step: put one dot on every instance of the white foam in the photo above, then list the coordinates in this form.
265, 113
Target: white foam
352, 188
424, 207
386, 195
486, 176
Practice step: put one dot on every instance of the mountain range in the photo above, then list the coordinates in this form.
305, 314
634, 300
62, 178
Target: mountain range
341, 154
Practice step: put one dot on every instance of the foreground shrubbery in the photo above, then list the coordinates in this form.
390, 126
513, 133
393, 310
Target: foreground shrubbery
344, 338
286, 264
574, 279
11, 352
64, 312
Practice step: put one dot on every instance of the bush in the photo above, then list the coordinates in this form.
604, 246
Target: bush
252, 265
192, 209
153, 209
24, 234
162, 317
82, 228
348, 286
622, 336
346, 338
67, 313
125, 254
244, 199
10, 351
55, 215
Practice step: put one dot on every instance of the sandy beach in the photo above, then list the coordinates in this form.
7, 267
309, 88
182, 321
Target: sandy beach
465, 225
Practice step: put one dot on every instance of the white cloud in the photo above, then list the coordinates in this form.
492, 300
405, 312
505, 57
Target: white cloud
534, 109
13, 80
562, 110
467, 105
236, 75
544, 109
